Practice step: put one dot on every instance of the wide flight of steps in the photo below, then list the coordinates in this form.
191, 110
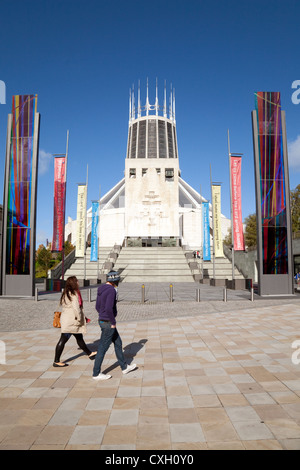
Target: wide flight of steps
150, 264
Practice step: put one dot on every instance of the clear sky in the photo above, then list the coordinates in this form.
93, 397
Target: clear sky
82, 56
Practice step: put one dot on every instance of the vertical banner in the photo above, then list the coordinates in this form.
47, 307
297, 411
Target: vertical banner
59, 203
216, 206
206, 231
21, 189
81, 220
238, 234
94, 234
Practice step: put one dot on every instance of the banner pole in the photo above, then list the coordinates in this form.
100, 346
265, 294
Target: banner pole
85, 217
213, 224
231, 213
98, 234
64, 217
202, 246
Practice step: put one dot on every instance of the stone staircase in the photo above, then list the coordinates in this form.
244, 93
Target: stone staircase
77, 268
223, 269
150, 264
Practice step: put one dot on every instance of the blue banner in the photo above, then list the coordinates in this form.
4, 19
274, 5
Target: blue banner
94, 234
206, 231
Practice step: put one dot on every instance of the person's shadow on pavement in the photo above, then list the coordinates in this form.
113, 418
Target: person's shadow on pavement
130, 351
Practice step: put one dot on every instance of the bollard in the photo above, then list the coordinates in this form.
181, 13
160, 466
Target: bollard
252, 294
143, 293
225, 294
171, 292
197, 295
36, 294
89, 295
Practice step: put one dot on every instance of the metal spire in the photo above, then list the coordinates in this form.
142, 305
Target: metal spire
133, 104
147, 101
170, 107
136, 111
165, 101
139, 101
156, 101
174, 104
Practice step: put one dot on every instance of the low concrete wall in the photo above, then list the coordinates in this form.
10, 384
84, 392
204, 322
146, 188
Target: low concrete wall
56, 272
245, 261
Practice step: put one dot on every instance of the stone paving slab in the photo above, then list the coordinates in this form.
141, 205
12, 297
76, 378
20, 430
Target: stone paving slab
223, 380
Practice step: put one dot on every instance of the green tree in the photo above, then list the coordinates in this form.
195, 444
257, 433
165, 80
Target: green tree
228, 239
43, 260
250, 230
68, 247
295, 209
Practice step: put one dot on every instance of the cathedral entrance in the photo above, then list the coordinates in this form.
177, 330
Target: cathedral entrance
153, 241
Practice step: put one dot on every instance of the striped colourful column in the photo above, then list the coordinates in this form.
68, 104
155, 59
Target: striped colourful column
20, 185
272, 183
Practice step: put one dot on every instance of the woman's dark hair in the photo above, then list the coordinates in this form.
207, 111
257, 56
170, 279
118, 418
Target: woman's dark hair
71, 287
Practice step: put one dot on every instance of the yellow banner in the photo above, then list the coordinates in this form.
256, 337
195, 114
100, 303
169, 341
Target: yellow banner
216, 204
81, 216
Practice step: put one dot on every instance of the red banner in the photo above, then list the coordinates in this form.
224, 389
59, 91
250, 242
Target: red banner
238, 234
59, 203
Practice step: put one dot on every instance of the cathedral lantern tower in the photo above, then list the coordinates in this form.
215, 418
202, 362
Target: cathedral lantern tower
152, 171
151, 205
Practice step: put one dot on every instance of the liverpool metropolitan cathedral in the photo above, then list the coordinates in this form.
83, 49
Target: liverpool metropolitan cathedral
152, 205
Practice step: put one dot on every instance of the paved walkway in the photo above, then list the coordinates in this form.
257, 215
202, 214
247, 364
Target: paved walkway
221, 379
27, 314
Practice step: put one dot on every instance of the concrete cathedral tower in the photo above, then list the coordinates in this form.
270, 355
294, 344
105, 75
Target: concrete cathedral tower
152, 171
152, 205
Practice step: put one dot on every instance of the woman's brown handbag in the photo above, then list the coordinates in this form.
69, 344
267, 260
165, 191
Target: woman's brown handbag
56, 320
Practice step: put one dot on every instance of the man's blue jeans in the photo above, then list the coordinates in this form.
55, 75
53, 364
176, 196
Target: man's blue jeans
108, 335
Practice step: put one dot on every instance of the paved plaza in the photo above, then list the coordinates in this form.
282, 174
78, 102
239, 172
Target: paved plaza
211, 374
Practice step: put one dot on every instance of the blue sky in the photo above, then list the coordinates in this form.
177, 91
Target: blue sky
82, 57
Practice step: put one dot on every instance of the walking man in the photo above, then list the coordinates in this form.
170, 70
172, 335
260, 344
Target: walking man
106, 306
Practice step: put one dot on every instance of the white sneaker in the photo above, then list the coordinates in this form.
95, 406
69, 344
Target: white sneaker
129, 368
102, 377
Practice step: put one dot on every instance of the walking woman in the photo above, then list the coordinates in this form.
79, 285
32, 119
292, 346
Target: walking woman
72, 320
